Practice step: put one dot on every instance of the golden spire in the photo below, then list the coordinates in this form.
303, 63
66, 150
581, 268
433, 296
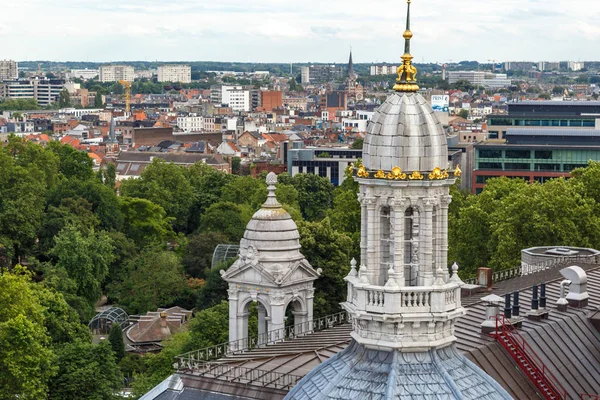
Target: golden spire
407, 73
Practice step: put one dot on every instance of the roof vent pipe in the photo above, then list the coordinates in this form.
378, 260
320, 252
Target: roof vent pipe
535, 302
543, 295
507, 307
516, 309
563, 304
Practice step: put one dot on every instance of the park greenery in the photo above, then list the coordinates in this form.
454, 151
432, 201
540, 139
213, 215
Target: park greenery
68, 239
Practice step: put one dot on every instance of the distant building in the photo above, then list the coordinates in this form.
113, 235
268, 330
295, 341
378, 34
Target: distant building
44, 91
272, 100
548, 66
115, 73
383, 69
535, 155
576, 66
536, 114
175, 73
85, 74
321, 73
480, 78
9, 70
518, 66
332, 166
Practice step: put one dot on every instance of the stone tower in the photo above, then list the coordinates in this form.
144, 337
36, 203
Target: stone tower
112, 145
402, 301
272, 272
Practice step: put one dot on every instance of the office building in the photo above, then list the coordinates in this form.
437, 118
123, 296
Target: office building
235, 97
544, 66
536, 114
535, 155
115, 73
9, 70
383, 69
44, 91
175, 73
332, 166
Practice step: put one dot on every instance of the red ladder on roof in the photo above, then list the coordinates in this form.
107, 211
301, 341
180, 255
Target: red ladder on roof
528, 361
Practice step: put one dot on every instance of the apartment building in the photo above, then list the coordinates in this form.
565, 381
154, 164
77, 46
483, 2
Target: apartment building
44, 91
9, 70
480, 78
383, 69
115, 73
175, 73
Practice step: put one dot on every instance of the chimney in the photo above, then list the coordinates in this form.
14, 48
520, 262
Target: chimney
492, 310
537, 313
163, 319
543, 295
535, 302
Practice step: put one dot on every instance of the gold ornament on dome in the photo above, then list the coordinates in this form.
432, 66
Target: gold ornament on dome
362, 172
396, 174
380, 175
416, 176
407, 73
436, 174
457, 171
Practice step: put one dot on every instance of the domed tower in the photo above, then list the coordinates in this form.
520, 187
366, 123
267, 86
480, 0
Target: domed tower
402, 301
270, 271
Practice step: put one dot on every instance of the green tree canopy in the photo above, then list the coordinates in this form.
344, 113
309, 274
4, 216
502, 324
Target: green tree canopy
117, 344
227, 218
199, 252
145, 223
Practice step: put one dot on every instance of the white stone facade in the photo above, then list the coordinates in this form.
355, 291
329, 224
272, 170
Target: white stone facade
175, 73
115, 73
272, 272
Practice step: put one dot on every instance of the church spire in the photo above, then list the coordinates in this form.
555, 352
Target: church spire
350, 66
407, 73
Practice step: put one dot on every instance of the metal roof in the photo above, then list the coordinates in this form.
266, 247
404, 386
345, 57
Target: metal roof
113, 314
556, 103
553, 132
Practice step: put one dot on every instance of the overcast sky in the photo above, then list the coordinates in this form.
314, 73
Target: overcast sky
298, 31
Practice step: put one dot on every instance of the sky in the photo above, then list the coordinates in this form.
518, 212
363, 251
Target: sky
298, 31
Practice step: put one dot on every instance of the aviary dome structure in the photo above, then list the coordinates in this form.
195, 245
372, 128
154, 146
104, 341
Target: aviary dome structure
401, 298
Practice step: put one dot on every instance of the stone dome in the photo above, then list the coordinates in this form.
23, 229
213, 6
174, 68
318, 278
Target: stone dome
272, 234
405, 133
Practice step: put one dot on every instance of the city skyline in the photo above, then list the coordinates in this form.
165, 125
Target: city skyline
269, 31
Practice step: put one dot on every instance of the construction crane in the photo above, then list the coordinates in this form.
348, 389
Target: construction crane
127, 86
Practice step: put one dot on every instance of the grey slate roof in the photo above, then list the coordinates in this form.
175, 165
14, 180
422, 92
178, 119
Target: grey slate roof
361, 373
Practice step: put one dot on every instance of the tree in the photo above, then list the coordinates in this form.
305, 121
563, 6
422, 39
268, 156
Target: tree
73, 163
358, 144
236, 163
314, 195
199, 251
154, 279
115, 338
215, 288
64, 99
26, 361
463, 113
558, 90
82, 263
98, 103
227, 218
144, 222
331, 251
164, 184
209, 327
85, 371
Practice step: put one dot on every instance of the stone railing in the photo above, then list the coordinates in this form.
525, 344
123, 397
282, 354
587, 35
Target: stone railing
194, 359
391, 300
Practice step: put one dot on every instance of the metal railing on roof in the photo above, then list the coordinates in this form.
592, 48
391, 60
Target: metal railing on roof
527, 269
195, 359
528, 361
248, 376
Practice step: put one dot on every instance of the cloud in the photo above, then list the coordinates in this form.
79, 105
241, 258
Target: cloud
311, 30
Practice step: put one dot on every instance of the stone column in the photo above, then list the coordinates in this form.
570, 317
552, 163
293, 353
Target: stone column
372, 262
277, 317
233, 317
262, 324
363, 230
443, 240
426, 267
310, 297
398, 209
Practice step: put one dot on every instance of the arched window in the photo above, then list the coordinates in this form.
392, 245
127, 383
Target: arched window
385, 252
411, 246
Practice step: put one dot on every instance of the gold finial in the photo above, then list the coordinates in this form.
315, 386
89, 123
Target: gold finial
407, 73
